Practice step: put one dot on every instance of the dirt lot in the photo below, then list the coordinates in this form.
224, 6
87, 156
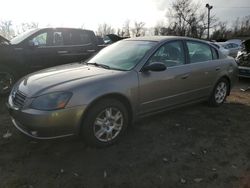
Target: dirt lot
196, 146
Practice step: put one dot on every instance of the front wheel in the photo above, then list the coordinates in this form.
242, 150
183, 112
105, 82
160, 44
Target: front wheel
220, 92
105, 122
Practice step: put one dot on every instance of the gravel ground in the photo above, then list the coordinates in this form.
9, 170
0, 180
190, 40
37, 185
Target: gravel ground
196, 146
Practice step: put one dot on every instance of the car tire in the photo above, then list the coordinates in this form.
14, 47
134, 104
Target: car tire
7, 80
104, 123
219, 93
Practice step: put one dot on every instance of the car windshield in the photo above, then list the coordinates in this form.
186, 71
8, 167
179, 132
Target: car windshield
21, 37
123, 55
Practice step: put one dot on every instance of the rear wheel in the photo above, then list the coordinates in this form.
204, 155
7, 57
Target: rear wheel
7, 79
105, 122
220, 92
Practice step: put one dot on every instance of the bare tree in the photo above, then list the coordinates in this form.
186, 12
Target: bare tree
138, 29
186, 18
221, 31
126, 28
104, 29
240, 28
26, 26
160, 28
6, 29
82, 26
120, 32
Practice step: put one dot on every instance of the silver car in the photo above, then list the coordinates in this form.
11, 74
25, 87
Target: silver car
99, 98
229, 48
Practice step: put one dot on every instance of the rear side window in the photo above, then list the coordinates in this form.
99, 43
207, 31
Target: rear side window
235, 45
199, 52
214, 53
57, 39
84, 38
76, 37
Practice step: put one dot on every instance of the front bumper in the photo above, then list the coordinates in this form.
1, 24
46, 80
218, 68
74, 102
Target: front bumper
47, 124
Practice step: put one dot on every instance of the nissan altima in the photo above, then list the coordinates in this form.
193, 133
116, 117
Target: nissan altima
99, 98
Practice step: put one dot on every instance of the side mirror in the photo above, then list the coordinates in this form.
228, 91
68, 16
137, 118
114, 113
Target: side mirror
155, 67
33, 44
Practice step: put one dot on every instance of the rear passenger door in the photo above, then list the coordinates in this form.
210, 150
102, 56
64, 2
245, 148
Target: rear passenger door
71, 45
81, 44
203, 66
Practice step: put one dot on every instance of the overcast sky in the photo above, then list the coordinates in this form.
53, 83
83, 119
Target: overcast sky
90, 13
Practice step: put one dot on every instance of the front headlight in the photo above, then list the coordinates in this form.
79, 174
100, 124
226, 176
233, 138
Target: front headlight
51, 101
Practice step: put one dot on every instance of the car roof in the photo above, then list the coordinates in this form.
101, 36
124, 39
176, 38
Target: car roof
61, 28
163, 38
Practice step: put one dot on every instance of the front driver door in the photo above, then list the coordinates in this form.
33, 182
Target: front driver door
167, 88
38, 54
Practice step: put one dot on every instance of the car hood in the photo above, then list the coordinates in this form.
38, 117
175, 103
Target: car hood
56, 77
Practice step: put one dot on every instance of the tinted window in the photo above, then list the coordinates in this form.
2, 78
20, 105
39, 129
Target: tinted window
84, 38
76, 37
230, 45
41, 39
235, 45
57, 39
199, 52
171, 54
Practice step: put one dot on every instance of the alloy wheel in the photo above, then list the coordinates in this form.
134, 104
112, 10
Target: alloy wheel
108, 124
220, 92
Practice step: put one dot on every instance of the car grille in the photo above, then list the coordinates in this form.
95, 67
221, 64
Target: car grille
18, 99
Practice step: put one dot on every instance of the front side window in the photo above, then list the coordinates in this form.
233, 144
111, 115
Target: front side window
199, 52
171, 54
40, 40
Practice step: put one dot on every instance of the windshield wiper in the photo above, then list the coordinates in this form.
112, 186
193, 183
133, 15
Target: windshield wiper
97, 65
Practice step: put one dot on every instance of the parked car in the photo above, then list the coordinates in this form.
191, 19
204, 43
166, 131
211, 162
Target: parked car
243, 60
235, 41
125, 81
42, 48
229, 48
111, 38
221, 47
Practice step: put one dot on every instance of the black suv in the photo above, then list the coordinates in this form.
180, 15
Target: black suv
43, 48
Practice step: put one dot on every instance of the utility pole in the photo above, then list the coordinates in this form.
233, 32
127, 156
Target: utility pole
209, 7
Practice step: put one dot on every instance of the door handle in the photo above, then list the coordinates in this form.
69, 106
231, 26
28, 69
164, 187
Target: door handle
90, 50
185, 76
62, 52
217, 68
